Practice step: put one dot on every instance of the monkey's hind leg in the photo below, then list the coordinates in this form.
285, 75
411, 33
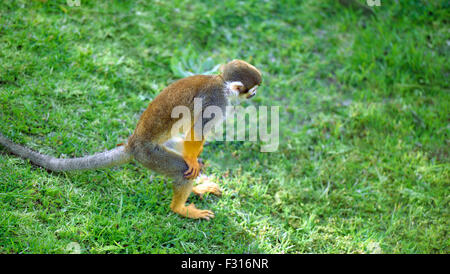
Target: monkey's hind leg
180, 194
206, 185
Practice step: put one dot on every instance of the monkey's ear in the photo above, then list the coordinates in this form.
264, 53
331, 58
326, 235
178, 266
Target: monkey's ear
237, 87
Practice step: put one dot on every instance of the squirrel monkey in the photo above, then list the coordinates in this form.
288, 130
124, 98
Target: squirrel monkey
150, 143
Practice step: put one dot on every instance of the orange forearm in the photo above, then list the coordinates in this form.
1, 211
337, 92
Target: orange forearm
192, 147
191, 151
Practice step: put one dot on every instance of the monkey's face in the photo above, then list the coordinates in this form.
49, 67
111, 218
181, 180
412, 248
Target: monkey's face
238, 89
244, 93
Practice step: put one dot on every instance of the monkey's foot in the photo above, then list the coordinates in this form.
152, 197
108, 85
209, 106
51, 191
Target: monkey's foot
192, 212
206, 187
194, 168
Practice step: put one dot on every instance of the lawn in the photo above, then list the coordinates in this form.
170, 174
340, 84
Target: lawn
363, 161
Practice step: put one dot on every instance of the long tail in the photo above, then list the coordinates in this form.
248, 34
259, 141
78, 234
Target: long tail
113, 157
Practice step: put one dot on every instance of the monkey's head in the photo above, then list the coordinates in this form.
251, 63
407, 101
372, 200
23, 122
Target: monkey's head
242, 79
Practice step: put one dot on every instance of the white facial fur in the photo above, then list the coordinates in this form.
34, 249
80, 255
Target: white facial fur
232, 88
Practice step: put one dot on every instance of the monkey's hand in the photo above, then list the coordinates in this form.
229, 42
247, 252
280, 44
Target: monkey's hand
194, 168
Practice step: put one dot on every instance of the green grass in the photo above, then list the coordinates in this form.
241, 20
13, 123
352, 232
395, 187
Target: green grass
363, 163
